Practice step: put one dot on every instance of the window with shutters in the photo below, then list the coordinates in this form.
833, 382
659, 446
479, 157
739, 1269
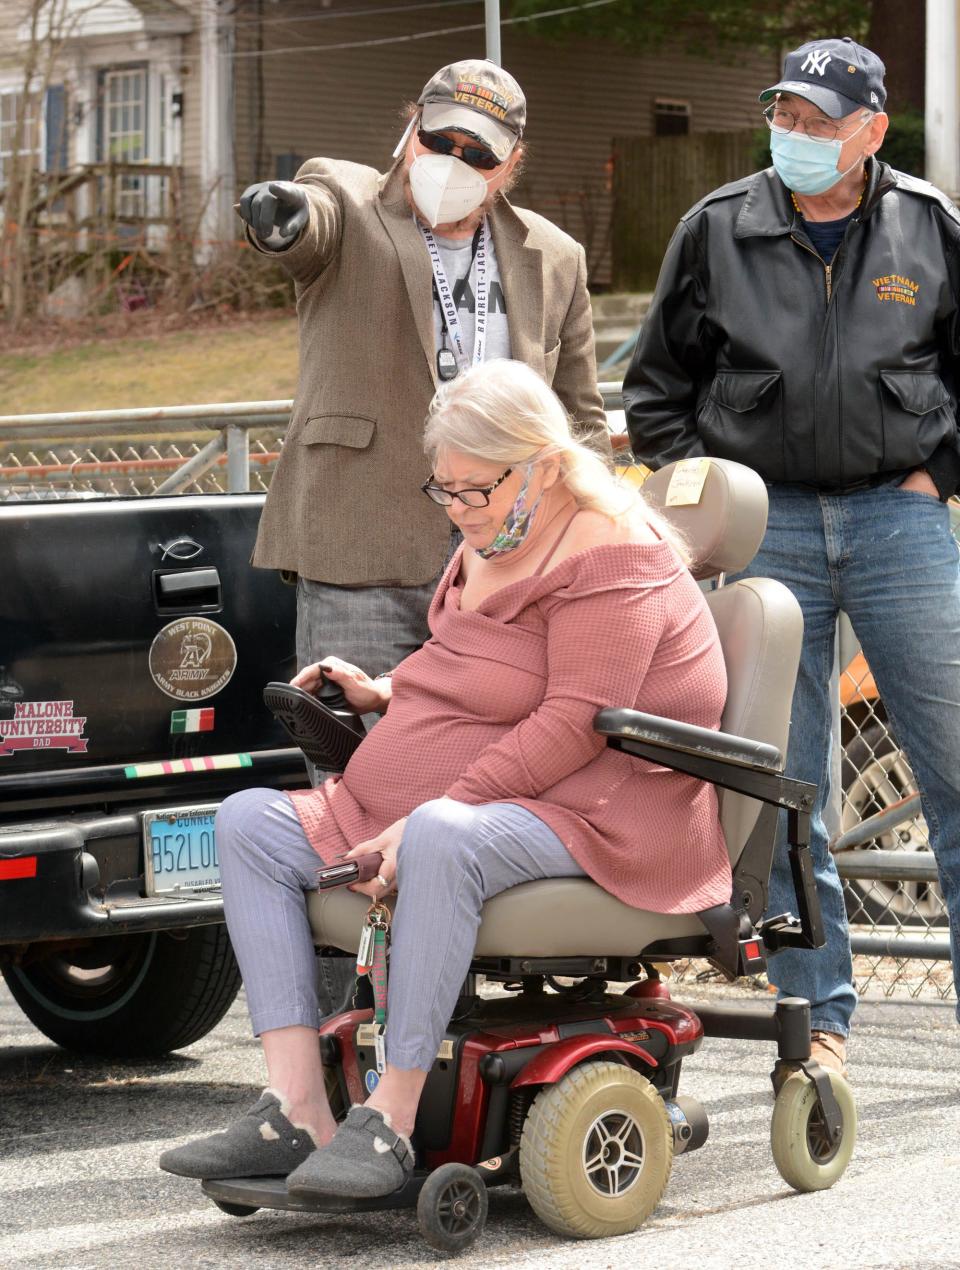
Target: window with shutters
28, 146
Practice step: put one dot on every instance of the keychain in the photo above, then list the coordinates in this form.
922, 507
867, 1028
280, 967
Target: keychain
377, 915
372, 958
380, 997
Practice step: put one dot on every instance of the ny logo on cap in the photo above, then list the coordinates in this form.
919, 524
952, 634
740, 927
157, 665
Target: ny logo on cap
816, 60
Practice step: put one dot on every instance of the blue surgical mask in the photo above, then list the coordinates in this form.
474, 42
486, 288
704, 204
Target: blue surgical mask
807, 166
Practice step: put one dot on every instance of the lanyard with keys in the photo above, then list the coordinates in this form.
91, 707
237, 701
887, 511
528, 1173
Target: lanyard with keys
372, 960
451, 361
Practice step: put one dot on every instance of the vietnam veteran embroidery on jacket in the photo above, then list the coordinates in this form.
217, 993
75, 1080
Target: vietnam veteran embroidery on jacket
896, 288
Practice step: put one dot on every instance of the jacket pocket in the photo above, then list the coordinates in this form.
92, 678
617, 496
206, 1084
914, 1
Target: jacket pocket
742, 417
550, 359
917, 415
355, 431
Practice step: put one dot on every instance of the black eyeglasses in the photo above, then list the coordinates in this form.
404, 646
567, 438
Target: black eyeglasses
469, 497
475, 156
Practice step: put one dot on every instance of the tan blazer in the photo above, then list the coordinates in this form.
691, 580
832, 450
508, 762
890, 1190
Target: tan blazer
344, 505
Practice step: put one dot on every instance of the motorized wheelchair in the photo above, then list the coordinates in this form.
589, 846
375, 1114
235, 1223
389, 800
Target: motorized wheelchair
573, 1090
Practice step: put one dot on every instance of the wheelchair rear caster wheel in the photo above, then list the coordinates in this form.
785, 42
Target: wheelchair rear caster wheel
803, 1152
452, 1208
596, 1151
236, 1210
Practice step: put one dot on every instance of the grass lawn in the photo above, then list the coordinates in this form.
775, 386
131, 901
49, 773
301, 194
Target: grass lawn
254, 360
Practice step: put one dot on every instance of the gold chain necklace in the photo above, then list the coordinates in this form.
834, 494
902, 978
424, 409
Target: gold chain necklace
799, 211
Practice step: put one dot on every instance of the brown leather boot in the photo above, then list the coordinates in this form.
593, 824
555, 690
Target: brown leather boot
830, 1050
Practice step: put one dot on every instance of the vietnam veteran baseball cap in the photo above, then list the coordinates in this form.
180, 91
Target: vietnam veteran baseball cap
479, 98
838, 76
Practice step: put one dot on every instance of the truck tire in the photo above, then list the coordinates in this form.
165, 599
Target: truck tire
875, 775
130, 995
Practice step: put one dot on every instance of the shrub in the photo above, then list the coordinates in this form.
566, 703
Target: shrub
903, 146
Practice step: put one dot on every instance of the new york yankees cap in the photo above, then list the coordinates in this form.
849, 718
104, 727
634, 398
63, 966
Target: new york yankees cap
477, 97
839, 76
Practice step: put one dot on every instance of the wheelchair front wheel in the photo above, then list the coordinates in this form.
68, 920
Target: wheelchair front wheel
236, 1210
803, 1152
452, 1208
596, 1151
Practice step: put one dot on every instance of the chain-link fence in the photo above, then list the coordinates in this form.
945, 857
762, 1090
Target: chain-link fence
898, 919
893, 898
115, 453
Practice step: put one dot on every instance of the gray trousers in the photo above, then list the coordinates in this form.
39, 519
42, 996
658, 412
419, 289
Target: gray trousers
452, 858
373, 627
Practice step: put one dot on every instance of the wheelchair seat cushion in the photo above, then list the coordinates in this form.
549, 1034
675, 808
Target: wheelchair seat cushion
558, 917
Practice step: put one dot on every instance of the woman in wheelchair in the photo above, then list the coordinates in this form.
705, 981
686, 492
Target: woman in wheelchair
567, 595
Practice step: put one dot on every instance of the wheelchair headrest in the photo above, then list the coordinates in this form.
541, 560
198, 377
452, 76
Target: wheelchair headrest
720, 508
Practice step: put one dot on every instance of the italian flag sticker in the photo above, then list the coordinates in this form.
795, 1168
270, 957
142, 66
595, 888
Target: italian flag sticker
192, 720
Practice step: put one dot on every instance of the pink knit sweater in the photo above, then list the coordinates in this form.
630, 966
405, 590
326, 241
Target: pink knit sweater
498, 706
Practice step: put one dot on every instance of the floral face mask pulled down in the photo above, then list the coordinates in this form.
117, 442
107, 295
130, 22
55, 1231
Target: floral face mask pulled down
516, 523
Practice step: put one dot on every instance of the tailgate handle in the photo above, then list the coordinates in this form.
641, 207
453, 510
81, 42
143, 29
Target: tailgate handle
188, 589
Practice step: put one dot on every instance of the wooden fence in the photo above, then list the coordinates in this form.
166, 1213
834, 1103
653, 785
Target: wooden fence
656, 180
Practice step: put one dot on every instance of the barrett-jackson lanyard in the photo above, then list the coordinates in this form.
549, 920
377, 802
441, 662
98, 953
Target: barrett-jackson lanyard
448, 307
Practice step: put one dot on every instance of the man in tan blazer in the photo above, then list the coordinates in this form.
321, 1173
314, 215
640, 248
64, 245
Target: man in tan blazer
345, 512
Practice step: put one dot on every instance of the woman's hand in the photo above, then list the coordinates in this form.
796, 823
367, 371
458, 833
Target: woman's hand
366, 695
386, 843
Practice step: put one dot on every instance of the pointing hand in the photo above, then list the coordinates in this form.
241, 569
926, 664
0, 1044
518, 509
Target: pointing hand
275, 209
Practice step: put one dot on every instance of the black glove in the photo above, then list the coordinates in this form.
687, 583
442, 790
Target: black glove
276, 209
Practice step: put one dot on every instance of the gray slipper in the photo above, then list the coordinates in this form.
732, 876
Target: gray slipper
366, 1158
263, 1143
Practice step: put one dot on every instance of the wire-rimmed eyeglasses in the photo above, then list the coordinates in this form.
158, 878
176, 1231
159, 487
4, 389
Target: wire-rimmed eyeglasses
817, 127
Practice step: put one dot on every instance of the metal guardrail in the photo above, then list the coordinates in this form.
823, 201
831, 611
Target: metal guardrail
893, 898
134, 472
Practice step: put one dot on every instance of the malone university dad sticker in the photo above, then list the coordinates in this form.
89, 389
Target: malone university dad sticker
192, 658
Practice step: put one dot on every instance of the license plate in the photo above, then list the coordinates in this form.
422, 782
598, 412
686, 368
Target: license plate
180, 851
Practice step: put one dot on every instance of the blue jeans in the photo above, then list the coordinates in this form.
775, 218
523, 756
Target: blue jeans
887, 558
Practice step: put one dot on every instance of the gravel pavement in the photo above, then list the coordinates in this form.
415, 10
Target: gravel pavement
79, 1186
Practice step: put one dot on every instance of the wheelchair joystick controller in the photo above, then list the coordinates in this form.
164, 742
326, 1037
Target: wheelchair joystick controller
323, 725
332, 696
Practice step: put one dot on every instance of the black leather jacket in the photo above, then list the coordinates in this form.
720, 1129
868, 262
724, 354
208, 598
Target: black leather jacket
755, 350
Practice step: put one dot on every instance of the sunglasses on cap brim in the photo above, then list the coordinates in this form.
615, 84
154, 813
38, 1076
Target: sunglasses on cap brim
474, 156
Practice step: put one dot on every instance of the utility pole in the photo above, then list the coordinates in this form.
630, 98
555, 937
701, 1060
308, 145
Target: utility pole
492, 14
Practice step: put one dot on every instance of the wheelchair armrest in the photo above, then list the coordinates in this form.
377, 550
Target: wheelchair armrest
686, 738
731, 762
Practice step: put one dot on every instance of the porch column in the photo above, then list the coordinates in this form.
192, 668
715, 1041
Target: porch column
216, 125
942, 96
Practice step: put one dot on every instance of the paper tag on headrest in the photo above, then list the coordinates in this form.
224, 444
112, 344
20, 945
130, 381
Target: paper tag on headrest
686, 483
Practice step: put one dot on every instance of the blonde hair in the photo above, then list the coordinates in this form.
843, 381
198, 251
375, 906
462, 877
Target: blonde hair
503, 412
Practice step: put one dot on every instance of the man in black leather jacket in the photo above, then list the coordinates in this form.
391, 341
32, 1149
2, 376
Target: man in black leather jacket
806, 322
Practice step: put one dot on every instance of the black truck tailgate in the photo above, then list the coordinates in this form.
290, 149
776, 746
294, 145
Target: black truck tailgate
135, 631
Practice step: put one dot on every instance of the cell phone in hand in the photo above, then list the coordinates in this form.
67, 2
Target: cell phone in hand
361, 869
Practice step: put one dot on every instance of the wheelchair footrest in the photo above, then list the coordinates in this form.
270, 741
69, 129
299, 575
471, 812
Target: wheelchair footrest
271, 1192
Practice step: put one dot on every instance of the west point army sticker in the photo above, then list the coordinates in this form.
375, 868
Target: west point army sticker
192, 658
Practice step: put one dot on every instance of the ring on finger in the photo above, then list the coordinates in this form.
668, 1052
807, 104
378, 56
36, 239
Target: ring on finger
383, 881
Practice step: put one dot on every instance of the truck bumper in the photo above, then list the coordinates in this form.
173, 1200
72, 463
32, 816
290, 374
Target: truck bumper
72, 880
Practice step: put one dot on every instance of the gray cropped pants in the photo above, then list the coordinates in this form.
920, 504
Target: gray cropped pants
451, 859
